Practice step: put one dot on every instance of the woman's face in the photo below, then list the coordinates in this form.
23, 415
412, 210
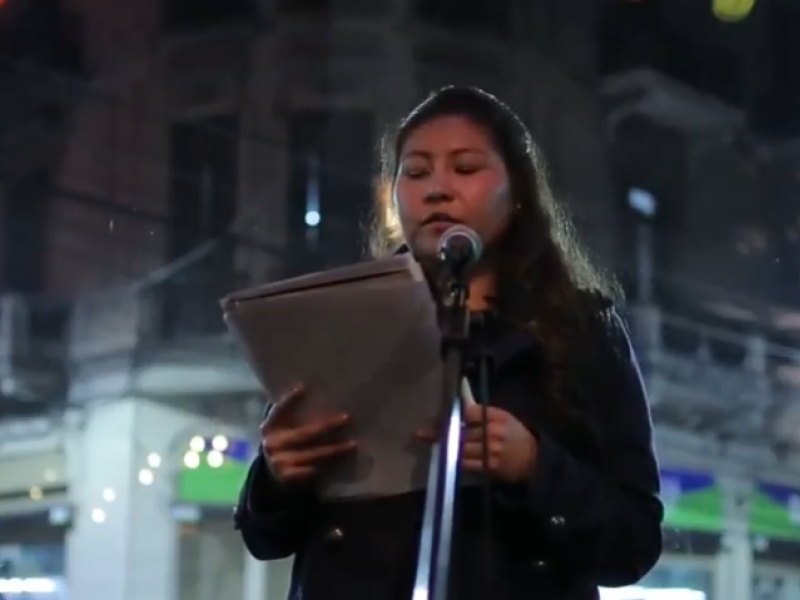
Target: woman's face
450, 172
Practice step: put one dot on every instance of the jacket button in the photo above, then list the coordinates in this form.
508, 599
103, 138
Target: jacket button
335, 534
539, 565
557, 521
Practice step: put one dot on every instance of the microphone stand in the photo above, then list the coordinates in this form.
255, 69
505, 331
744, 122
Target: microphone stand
433, 562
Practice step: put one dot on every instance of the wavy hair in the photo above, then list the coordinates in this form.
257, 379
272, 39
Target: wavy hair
544, 276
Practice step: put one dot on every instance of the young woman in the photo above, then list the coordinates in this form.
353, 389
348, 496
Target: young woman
574, 481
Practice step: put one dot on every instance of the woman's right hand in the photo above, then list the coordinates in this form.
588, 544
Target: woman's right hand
294, 452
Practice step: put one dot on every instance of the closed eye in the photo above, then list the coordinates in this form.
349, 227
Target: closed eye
415, 172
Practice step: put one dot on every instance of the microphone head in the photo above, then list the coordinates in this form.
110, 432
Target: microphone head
460, 246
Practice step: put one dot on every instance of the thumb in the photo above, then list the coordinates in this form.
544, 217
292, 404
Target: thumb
466, 392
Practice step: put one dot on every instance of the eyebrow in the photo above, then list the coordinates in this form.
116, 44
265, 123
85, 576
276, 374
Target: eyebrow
455, 151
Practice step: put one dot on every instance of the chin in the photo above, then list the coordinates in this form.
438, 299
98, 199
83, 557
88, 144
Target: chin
425, 248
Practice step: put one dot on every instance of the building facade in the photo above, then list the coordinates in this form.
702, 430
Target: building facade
203, 147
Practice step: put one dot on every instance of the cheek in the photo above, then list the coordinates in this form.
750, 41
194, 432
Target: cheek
497, 209
404, 201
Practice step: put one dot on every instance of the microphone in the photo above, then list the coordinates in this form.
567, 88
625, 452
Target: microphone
460, 247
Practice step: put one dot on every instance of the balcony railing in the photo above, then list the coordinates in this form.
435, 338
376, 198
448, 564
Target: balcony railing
700, 375
33, 366
177, 304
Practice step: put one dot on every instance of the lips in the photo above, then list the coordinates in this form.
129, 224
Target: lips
440, 219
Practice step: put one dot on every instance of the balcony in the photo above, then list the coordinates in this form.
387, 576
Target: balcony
164, 336
707, 379
33, 366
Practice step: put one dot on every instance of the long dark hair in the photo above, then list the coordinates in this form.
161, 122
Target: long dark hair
543, 274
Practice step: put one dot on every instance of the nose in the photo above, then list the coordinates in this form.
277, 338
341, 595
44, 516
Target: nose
437, 196
440, 191
440, 188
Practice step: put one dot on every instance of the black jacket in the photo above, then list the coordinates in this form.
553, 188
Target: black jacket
589, 516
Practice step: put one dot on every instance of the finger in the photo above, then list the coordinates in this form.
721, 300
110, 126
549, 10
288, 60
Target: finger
282, 407
474, 465
297, 473
475, 450
477, 433
277, 441
474, 434
474, 413
312, 456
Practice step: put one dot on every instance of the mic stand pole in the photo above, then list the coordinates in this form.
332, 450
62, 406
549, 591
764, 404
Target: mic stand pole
435, 551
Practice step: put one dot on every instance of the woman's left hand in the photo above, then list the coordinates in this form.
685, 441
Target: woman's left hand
512, 449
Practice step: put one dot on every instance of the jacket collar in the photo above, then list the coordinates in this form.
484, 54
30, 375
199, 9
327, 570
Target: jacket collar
509, 343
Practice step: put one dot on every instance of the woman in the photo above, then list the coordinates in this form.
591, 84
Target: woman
574, 481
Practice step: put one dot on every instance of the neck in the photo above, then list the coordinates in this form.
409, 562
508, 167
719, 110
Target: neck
481, 287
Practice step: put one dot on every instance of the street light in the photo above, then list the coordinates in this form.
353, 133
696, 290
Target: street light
732, 11
644, 204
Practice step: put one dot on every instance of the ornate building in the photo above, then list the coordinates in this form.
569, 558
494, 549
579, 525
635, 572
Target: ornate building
167, 153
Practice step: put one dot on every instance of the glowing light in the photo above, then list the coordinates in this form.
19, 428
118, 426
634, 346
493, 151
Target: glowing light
59, 515
35, 493
33, 585
731, 11
635, 592
191, 459
109, 495
146, 477
313, 218
643, 202
219, 443
153, 460
197, 444
215, 459
98, 515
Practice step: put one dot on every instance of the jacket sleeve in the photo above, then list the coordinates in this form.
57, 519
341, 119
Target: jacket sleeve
275, 521
603, 521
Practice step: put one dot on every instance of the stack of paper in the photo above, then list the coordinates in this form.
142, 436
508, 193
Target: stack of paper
364, 339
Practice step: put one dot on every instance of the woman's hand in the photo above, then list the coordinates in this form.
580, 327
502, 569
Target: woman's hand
512, 449
294, 452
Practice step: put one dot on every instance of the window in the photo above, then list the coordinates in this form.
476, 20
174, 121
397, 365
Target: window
776, 109
471, 16
203, 202
330, 187
204, 166
25, 219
